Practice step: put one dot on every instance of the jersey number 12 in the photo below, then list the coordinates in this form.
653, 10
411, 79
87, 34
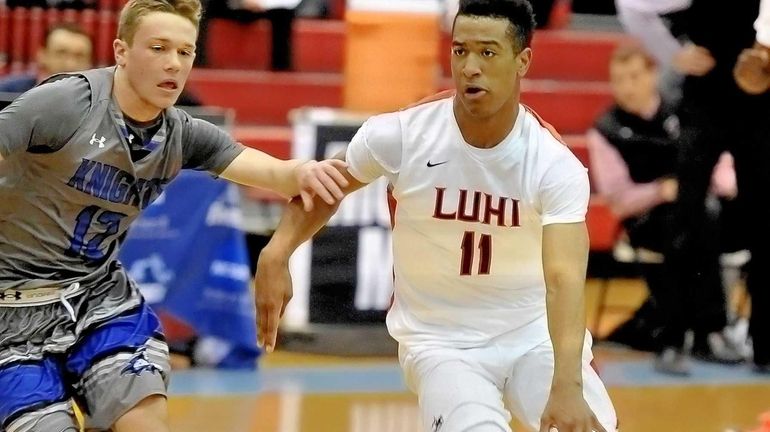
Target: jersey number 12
468, 248
91, 250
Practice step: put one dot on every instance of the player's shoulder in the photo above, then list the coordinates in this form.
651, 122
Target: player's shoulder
432, 100
63, 97
390, 126
428, 113
551, 147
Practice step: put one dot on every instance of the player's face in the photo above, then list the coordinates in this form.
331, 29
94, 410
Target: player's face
65, 52
634, 84
160, 58
485, 67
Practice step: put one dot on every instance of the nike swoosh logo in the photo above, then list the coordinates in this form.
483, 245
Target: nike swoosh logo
431, 165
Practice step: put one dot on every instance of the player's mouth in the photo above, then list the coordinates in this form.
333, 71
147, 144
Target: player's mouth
474, 92
169, 85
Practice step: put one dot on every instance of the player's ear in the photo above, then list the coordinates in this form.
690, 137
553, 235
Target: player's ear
120, 48
523, 60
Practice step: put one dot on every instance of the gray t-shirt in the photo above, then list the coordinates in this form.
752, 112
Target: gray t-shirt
69, 187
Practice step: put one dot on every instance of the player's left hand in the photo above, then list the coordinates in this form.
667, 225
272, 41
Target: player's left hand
272, 292
751, 70
324, 179
567, 411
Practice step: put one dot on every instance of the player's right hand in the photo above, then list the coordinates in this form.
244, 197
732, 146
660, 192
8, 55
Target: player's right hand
272, 292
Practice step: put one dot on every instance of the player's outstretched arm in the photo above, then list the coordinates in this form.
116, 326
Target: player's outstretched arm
272, 283
289, 177
565, 258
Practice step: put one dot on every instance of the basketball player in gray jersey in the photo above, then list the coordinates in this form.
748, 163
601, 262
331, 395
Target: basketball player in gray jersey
80, 157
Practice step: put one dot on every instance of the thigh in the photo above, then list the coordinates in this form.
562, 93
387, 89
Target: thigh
529, 386
117, 364
33, 397
455, 394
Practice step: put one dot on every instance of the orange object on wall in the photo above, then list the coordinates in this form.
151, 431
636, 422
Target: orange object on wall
391, 59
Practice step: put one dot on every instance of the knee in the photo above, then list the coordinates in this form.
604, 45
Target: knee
149, 415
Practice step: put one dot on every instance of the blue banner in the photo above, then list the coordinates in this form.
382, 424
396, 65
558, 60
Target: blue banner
189, 256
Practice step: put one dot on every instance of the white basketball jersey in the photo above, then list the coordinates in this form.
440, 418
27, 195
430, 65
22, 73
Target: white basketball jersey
467, 238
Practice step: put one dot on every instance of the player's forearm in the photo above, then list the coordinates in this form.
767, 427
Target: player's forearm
257, 169
566, 324
296, 227
565, 258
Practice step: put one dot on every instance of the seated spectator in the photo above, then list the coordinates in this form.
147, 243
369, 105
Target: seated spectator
280, 13
633, 149
67, 48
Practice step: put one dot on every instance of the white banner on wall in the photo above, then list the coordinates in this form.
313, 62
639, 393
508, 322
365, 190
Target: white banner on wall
345, 274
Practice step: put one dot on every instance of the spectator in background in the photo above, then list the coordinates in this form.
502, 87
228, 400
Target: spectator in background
280, 13
67, 48
633, 149
716, 115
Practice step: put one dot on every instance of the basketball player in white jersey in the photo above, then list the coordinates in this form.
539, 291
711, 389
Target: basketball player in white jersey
489, 240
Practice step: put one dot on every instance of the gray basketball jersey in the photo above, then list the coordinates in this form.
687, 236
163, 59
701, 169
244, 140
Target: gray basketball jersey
67, 201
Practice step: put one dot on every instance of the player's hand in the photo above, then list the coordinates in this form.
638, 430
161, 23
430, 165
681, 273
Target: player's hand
751, 70
324, 179
272, 292
567, 411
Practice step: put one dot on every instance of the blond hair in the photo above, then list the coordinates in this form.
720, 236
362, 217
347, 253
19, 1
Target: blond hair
134, 10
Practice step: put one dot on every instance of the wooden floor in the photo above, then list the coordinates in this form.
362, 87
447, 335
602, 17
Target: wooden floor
306, 393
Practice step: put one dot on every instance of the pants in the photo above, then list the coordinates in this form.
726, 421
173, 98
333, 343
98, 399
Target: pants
740, 126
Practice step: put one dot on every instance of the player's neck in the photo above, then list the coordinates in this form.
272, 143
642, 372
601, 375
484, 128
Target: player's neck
486, 132
129, 101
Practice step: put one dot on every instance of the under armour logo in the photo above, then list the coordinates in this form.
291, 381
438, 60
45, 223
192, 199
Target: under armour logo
15, 295
100, 141
437, 423
130, 138
140, 363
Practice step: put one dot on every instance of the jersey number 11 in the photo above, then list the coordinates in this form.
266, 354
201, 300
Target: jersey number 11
468, 248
